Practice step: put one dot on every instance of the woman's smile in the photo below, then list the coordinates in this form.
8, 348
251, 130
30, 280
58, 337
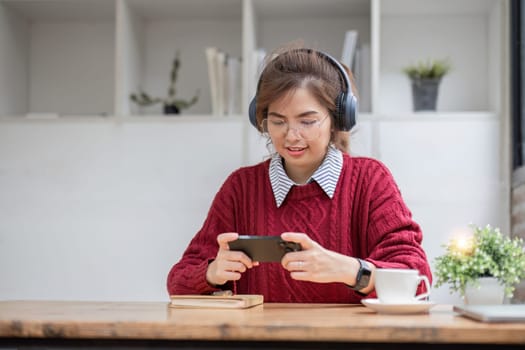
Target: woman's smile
296, 151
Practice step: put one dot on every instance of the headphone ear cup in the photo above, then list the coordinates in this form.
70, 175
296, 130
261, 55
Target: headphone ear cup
353, 111
350, 111
339, 107
252, 112
345, 111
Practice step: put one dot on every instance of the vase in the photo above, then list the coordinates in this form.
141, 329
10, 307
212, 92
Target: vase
489, 291
425, 94
171, 109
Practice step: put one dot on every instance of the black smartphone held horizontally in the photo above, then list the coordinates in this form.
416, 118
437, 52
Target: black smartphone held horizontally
264, 248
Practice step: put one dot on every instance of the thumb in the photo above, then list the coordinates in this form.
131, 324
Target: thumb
224, 238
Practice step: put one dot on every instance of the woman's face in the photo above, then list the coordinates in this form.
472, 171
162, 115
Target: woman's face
300, 128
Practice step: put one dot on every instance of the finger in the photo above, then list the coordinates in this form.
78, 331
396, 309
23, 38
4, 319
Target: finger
237, 256
225, 270
301, 238
230, 275
296, 256
300, 276
233, 266
224, 238
294, 265
286, 260
293, 256
297, 265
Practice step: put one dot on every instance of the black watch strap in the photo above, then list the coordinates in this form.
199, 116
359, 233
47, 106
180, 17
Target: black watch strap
363, 276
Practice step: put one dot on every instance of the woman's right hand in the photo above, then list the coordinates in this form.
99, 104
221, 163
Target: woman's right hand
228, 264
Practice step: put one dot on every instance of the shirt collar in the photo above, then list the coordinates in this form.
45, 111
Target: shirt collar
326, 175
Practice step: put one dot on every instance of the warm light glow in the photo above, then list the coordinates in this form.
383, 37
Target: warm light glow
462, 243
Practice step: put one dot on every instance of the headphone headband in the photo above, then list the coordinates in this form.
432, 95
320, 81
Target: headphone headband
338, 66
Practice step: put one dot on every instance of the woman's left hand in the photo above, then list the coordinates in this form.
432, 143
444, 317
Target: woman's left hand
317, 264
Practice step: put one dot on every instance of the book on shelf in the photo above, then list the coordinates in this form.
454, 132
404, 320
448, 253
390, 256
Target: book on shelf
211, 54
258, 65
363, 78
236, 301
224, 72
350, 46
220, 66
356, 56
233, 85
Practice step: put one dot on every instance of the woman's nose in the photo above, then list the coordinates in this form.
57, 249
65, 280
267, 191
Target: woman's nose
293, 133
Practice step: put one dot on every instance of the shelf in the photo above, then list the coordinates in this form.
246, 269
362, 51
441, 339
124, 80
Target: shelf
145, 119
60, 57
468, 33
152, 10
63, 10
300, 9
151, 31
73, 57
430, 116
278, 22
440, 8
183, 119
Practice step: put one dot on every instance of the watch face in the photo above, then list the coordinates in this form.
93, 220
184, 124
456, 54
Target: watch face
363, 282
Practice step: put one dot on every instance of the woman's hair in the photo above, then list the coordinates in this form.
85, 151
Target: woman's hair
292, 68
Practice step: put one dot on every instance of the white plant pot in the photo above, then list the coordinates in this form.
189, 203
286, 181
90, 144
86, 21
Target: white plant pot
489, 291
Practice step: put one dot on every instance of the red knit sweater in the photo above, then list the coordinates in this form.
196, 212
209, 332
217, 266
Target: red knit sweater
367, 218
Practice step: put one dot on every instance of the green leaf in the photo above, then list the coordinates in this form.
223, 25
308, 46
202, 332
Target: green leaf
430, 69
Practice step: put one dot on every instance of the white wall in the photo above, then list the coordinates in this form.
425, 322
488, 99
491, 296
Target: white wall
99, 209
448, 172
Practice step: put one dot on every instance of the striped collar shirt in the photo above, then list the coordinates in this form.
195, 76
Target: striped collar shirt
326, 175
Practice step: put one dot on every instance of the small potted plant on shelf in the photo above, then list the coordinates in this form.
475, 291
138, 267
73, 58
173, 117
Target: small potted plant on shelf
482, 259
171, 104
425, 77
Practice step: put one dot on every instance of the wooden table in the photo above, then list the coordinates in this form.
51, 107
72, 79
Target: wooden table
275, 326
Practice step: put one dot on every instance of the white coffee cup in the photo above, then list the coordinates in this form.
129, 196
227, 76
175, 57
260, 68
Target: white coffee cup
399, 286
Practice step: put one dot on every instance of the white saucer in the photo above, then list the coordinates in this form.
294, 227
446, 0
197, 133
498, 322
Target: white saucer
417, 307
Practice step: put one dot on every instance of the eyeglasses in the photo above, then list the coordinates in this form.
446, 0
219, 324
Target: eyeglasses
308, 129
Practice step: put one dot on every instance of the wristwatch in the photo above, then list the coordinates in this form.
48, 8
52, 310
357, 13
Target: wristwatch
363, 276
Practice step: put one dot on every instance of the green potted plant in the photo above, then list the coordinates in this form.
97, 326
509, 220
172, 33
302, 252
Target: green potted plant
425, 77
486, 253
171, 104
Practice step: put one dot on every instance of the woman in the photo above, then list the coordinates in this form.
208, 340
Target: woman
346, 212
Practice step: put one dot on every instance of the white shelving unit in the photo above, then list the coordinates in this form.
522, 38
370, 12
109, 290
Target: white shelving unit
147, 179
86, 57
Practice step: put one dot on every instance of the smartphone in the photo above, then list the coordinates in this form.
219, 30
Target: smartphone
264, 248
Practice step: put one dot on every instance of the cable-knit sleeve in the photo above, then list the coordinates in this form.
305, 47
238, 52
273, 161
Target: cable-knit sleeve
393, 238
188, 276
